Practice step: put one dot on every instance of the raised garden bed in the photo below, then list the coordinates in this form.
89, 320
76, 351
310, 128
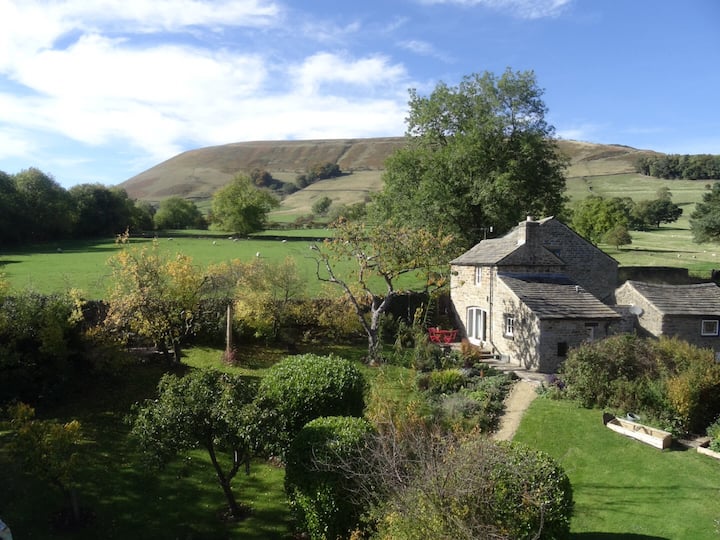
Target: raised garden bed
630, 428
703, 449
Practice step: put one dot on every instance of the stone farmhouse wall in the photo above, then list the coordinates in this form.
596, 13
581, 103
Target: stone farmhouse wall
465, 293
585, 263
653, 323
689, 328
650, 322
540, 345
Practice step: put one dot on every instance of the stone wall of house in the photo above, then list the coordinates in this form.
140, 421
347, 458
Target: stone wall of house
465, 293
689, 328
559, 336
650, 320
520, 348
595, 271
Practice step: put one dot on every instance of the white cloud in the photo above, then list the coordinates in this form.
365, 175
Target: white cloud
14, 143
328, 68
524, 9
106, 74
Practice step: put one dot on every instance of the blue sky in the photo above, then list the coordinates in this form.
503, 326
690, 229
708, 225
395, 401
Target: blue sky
100, 91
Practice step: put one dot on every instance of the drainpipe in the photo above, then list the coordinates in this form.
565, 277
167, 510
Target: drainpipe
493, 274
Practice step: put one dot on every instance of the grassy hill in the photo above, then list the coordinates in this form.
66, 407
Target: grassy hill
196, 174
607, 170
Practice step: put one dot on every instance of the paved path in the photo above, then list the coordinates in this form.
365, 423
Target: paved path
518, 400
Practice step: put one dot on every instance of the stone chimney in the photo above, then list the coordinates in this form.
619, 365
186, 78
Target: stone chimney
528, 232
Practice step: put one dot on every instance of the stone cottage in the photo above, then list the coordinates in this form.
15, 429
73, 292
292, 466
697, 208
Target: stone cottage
531, 295
689, 312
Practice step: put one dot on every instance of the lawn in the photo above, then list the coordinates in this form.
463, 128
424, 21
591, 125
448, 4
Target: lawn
623, 488
131, 500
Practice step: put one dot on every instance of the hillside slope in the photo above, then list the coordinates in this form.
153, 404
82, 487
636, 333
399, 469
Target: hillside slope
196, 174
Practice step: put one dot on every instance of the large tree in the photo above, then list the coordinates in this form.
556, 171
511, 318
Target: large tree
383, 254
45, 206
705, 220
595, 216
479, 155
204, 409
265, 292
240, 207
48, 450
178, 213
100, 211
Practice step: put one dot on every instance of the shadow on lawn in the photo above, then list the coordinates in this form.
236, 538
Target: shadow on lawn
614, 536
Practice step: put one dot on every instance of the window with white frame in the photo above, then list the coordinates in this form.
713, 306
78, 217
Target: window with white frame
509, 326
478, 275
709, 328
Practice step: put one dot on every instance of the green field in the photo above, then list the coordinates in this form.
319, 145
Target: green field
672, 244
82, 265
623, 488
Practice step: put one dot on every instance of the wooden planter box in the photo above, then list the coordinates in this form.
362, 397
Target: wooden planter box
649, 435
705, 450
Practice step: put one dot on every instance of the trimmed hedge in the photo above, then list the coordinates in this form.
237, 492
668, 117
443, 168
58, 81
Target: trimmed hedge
304, 387
317, 489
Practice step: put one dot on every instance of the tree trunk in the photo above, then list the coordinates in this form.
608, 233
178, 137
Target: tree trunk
177, 353
235, 510
74, 505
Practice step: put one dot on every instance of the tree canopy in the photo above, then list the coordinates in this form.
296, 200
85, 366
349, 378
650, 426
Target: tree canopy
178, 213
240, 207
705, 220
204, 409
154, 296
479, 155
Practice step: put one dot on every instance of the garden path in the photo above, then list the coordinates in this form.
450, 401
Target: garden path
523, 392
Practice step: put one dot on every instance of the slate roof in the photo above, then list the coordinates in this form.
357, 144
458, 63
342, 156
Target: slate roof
556, 296
506, 251
696, 299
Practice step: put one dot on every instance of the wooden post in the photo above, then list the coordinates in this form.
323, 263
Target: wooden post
228, 331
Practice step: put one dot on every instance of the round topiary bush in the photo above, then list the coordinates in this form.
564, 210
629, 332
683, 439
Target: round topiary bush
301, 388
316, 483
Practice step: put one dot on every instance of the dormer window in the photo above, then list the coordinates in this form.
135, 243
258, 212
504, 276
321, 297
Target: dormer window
478, 275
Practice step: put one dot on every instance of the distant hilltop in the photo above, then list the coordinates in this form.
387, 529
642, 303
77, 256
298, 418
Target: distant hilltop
196, 174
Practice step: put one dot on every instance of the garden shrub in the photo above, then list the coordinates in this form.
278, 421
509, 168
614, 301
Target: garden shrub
446, 381
532, 492
592, 371
482, 489
668, 381
693, 386
40, 339
713, 432
300, 388
476, 402
318, 490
